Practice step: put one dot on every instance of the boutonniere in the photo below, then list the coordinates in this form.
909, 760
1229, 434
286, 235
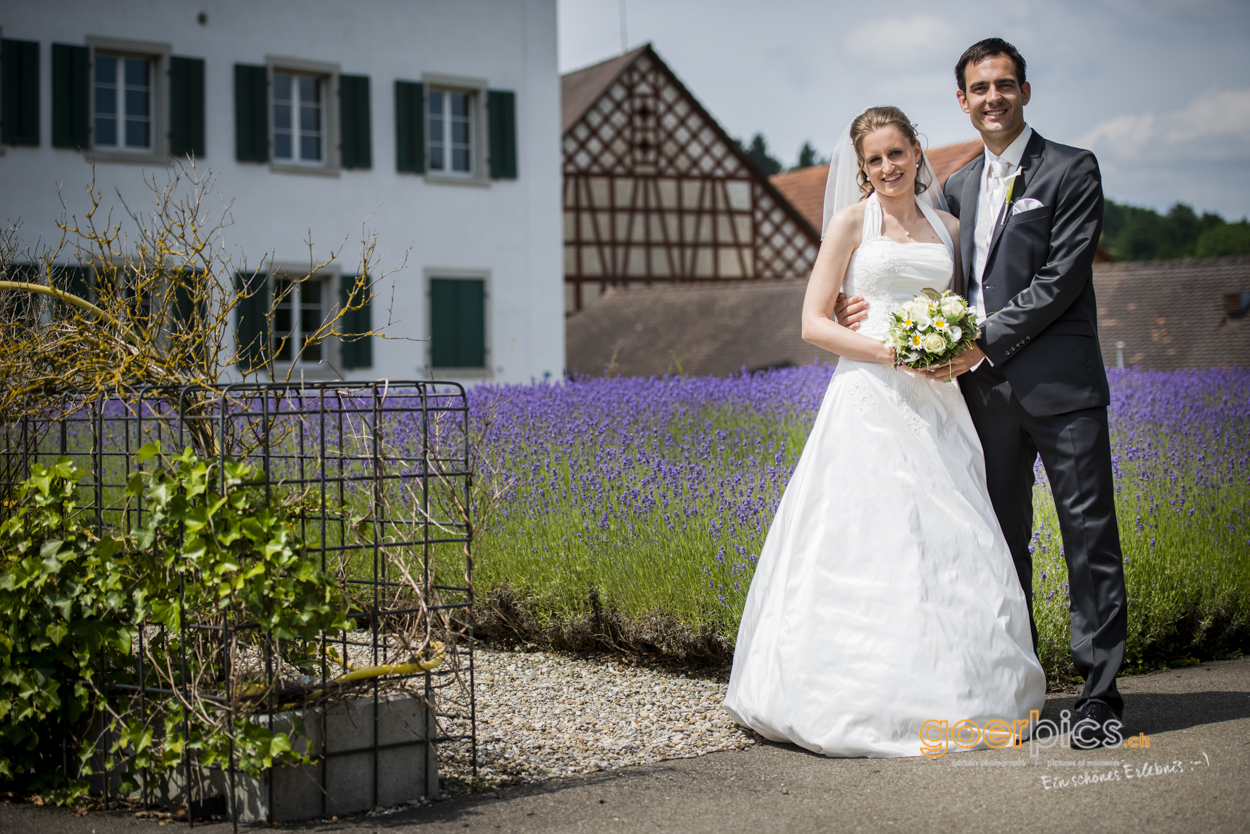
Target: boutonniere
1011, 187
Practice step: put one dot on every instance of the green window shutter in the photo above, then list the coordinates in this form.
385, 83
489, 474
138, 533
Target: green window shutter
19, 100
251, 113
501, 105
354, 121
457, 323
186, 106
191, 312
75, 280
357, 350
190, 304
410, 126
252, 320
70, 96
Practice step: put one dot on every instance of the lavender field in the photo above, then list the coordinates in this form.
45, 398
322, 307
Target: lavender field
643, 504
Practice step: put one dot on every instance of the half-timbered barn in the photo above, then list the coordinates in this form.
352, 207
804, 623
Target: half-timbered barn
656, 192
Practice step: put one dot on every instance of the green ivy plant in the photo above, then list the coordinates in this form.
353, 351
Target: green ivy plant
210, 548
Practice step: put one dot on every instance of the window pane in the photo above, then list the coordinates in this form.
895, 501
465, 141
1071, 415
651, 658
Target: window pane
136, 102
136, 72
460, 132
310, 318
283, 320
105, 69
459, 104
282, 116
136, 134
310, 147
281, 87
105, 101
436, 157
282, 146
436, 103
309, 89
105, 131
310, 119
460, 160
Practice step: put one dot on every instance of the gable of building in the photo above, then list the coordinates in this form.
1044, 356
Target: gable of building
656, 191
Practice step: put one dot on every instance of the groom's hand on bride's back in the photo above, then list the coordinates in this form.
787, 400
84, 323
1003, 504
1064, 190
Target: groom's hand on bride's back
850, 311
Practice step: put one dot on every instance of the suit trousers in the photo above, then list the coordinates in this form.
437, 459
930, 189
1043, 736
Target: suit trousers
1076, 450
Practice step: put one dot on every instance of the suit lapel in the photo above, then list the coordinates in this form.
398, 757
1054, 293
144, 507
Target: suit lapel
970, 198
1029, 163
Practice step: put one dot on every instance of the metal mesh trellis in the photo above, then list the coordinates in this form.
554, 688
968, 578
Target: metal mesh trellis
375, 478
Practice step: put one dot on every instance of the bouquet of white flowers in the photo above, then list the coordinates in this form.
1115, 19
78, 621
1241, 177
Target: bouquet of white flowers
931, 329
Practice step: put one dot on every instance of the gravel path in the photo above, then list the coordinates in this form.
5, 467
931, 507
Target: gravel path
545, 714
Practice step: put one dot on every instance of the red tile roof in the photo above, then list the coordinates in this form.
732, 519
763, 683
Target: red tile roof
948, 159
805, 189
1170, 314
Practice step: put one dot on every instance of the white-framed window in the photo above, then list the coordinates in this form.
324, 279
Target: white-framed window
123, 101
452, 132
300, 308
299, 118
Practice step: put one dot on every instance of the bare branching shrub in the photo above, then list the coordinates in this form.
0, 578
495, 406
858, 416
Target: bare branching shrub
128, 297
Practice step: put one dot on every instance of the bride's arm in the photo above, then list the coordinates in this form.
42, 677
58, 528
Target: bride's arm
819, 327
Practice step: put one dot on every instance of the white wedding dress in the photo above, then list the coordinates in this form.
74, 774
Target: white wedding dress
885, 595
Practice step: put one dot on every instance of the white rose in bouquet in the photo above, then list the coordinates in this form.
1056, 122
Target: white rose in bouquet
952, 306
933, 343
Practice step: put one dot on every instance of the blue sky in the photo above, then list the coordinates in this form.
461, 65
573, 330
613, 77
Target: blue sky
1159, 90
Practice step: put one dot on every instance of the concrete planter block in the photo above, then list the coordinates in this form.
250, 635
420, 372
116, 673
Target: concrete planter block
406, 765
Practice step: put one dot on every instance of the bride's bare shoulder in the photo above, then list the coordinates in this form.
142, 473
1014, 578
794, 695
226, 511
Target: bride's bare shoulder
847, 224
950, 221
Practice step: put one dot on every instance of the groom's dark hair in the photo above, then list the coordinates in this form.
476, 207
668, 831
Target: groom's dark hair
988, 48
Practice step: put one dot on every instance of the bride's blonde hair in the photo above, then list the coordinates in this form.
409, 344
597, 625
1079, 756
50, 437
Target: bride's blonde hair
872, 119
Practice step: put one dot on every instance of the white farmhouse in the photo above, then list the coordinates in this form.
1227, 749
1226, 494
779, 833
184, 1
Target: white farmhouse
435, 124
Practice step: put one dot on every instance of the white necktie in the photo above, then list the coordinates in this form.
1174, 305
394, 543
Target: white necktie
987, 215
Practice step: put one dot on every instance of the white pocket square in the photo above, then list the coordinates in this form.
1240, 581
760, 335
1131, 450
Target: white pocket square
1026, 204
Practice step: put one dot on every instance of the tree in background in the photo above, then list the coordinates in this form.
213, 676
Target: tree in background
809, 157
1225, 239
758, 151
1142, 234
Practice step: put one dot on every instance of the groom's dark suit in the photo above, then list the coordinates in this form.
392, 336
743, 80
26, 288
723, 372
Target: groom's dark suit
1046, 389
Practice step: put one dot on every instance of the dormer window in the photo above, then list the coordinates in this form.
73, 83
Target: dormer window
1236, 304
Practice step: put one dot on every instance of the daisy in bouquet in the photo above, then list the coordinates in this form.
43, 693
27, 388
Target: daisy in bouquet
931, 329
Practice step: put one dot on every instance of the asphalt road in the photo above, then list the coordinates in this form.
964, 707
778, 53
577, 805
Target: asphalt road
1194, 776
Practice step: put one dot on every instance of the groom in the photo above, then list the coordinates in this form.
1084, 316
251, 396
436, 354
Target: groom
1030, 216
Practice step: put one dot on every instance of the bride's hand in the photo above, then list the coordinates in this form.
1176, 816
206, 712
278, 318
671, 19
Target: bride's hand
958, 366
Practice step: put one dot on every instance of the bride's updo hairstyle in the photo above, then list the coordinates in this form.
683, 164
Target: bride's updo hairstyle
875, 118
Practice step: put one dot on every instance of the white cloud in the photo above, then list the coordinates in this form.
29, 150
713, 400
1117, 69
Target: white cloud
904, 41
1213, 127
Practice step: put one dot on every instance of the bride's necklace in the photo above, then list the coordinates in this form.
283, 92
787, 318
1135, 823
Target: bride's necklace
907, 227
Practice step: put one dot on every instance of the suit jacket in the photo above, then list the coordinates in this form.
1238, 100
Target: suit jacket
1038, 288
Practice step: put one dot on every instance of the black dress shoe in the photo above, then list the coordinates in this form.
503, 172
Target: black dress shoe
1092, 729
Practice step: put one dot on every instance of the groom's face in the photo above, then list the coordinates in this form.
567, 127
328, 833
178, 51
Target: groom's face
994, 98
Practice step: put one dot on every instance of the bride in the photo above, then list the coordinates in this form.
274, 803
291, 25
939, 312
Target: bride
885, 596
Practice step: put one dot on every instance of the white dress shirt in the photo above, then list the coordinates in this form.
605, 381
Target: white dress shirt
990, 206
